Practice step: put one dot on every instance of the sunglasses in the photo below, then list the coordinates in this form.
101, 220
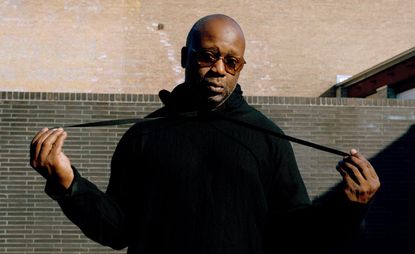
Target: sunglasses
208, 57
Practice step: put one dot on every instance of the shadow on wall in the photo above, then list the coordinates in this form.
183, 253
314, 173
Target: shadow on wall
390, 222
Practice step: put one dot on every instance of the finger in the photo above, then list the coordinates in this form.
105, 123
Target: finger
57, 148
48, 144
36, 137
39, 142
356, 171
358, 157
340, 170
352, 190
366, 168
353, 151
33, 142
352, 171
368, 185
351, 183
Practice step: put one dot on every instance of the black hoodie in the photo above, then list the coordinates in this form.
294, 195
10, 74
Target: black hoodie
190, 181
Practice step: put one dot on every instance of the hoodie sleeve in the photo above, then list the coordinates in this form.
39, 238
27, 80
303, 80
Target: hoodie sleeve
101, 216
295, 224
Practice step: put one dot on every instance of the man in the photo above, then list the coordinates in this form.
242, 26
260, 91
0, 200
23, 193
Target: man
191, 181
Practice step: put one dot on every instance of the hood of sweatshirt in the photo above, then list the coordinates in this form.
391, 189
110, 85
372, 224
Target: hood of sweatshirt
184, 98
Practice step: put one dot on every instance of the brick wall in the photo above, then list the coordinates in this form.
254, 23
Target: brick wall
32, 223
111, 46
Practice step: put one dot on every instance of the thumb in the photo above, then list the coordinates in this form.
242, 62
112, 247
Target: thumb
353, 151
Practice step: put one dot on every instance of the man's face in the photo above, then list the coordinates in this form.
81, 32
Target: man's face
221, 40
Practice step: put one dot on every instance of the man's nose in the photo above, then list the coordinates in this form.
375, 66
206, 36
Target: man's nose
219, 67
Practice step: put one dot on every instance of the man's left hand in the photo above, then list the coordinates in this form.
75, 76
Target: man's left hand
360, 179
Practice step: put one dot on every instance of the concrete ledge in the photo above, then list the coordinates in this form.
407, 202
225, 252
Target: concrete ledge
254, 100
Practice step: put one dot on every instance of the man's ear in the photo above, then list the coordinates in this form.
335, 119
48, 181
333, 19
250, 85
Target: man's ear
183, 60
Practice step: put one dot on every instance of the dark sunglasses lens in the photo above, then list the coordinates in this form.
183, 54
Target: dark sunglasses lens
206, 59
229, 70
233, 66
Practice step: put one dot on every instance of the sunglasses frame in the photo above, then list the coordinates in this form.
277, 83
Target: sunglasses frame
228, 69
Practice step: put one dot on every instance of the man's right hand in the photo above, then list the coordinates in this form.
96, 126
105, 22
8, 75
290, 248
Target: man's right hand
47, 158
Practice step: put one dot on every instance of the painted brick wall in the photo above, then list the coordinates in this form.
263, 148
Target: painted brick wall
32, 223
106, 46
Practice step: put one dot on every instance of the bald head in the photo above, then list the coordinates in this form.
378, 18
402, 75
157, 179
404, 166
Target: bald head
213, 57
210, 23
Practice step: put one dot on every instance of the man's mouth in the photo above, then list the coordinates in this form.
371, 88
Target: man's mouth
213, 87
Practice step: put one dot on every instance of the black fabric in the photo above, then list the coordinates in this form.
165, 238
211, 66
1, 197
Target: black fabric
201, 184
